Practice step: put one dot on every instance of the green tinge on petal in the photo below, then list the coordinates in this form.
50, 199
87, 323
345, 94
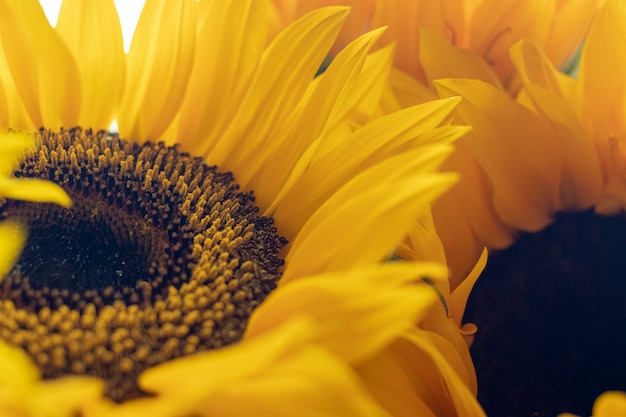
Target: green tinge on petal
93, 34
33, 189
160, 60
43, 69
383, 201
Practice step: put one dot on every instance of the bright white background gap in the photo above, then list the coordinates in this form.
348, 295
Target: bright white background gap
128, 10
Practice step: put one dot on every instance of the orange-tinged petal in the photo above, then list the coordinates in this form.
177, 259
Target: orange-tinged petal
496, 25
411, 366
565, 32
284, 74
460, 295
442, 60
405, 18
339, 234
160, 60
338, 156
602, 81
581, 177
356, 313
92, 32
508, 140
388, 379
43, 69
474, 193
222, 70
454, 228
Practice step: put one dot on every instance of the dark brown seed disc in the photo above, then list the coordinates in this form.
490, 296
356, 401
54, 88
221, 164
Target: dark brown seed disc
160, 256
550, 312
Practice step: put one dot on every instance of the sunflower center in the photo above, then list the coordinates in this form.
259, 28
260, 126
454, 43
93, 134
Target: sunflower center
160, 256
550, 312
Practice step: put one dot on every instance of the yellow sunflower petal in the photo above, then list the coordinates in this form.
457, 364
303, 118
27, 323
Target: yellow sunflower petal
159, 63
22, 393
581, 178
602, 69
442, 60
12, 148
496, 25
14, 116
311, 384
566, 31
317, 112
362, 102
92, 32
507, 139
401, 379
277, 373
335, 158
16, 367
459, 297
222, 70
285, 71
4, 104
382, 202
42, 67
610, 404
12, 240
357, 312
32, 189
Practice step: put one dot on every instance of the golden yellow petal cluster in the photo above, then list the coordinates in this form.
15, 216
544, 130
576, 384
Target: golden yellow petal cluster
542, 142
485, 29
342, 180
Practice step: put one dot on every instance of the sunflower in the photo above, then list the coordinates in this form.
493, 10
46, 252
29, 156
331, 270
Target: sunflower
119, 303
482, 31
471, 40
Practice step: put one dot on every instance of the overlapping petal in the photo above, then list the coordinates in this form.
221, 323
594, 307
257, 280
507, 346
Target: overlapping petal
92, 33
159, 63
43, 69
